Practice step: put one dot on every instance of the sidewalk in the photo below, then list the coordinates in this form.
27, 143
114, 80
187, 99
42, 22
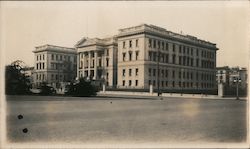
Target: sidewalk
147, 95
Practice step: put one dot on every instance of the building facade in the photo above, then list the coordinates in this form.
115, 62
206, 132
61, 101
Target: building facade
54, 65
222, 75
228, 76
97, 60
151, 55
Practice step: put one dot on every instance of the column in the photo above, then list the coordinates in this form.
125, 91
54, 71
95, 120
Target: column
83, 65
78, 65
89, 64
95, 67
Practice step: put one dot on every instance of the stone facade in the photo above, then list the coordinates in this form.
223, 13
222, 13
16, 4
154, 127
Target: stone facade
97, 60
54, 65
185, 62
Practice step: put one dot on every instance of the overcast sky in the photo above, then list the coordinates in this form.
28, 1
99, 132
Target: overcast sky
25, 25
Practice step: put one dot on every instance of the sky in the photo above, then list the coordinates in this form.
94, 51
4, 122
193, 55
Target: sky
25, 25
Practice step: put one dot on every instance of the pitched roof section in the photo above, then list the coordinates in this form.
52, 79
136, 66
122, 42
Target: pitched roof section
95, 41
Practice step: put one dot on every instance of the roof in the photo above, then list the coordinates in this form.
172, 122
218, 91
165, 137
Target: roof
85, 41
54, 48
162, 31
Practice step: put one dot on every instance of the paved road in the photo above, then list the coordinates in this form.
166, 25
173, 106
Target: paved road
134, 120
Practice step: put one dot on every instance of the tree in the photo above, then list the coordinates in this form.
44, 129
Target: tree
16, 83
82, 88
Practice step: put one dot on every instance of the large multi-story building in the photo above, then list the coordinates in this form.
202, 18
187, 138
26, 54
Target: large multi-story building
181, 61
97, 60
54, 65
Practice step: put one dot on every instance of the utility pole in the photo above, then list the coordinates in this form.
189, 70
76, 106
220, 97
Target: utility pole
237, 81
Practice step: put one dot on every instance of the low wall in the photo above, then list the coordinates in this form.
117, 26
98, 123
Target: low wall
155, 94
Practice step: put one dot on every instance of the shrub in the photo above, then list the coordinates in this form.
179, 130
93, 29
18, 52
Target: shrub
81, 89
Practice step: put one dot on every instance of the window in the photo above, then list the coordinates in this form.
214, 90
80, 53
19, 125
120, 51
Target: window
123, 72
123, 56
60, 57
149, 43
123, 82
100, 63
43, 56
43, 65
136, 82
107, 76
162, 45
130, 43
129, 82
162, 83
173, 74
154, 56
180, 60
173, 59
167, 46
149, 71
179, 48
166, 73
154, 83
179, 74
124, 45
56, 77
162, 73
154, 72
167, 59
197, 52
40, 57
136, 55
149, 82
37, 66
197, 62
173, 47
150, 56
154, 44
130, 56
107, 52
136, 71
136, 42
166, 83
52, 56
37, 57
130, 72
93, 63
159, 44
173, 84
52, 76
107, 62
56, 57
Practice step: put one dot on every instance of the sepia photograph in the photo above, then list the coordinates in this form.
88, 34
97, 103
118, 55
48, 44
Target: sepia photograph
124, 74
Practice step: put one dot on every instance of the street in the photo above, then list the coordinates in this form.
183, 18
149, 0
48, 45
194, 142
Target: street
134, 120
